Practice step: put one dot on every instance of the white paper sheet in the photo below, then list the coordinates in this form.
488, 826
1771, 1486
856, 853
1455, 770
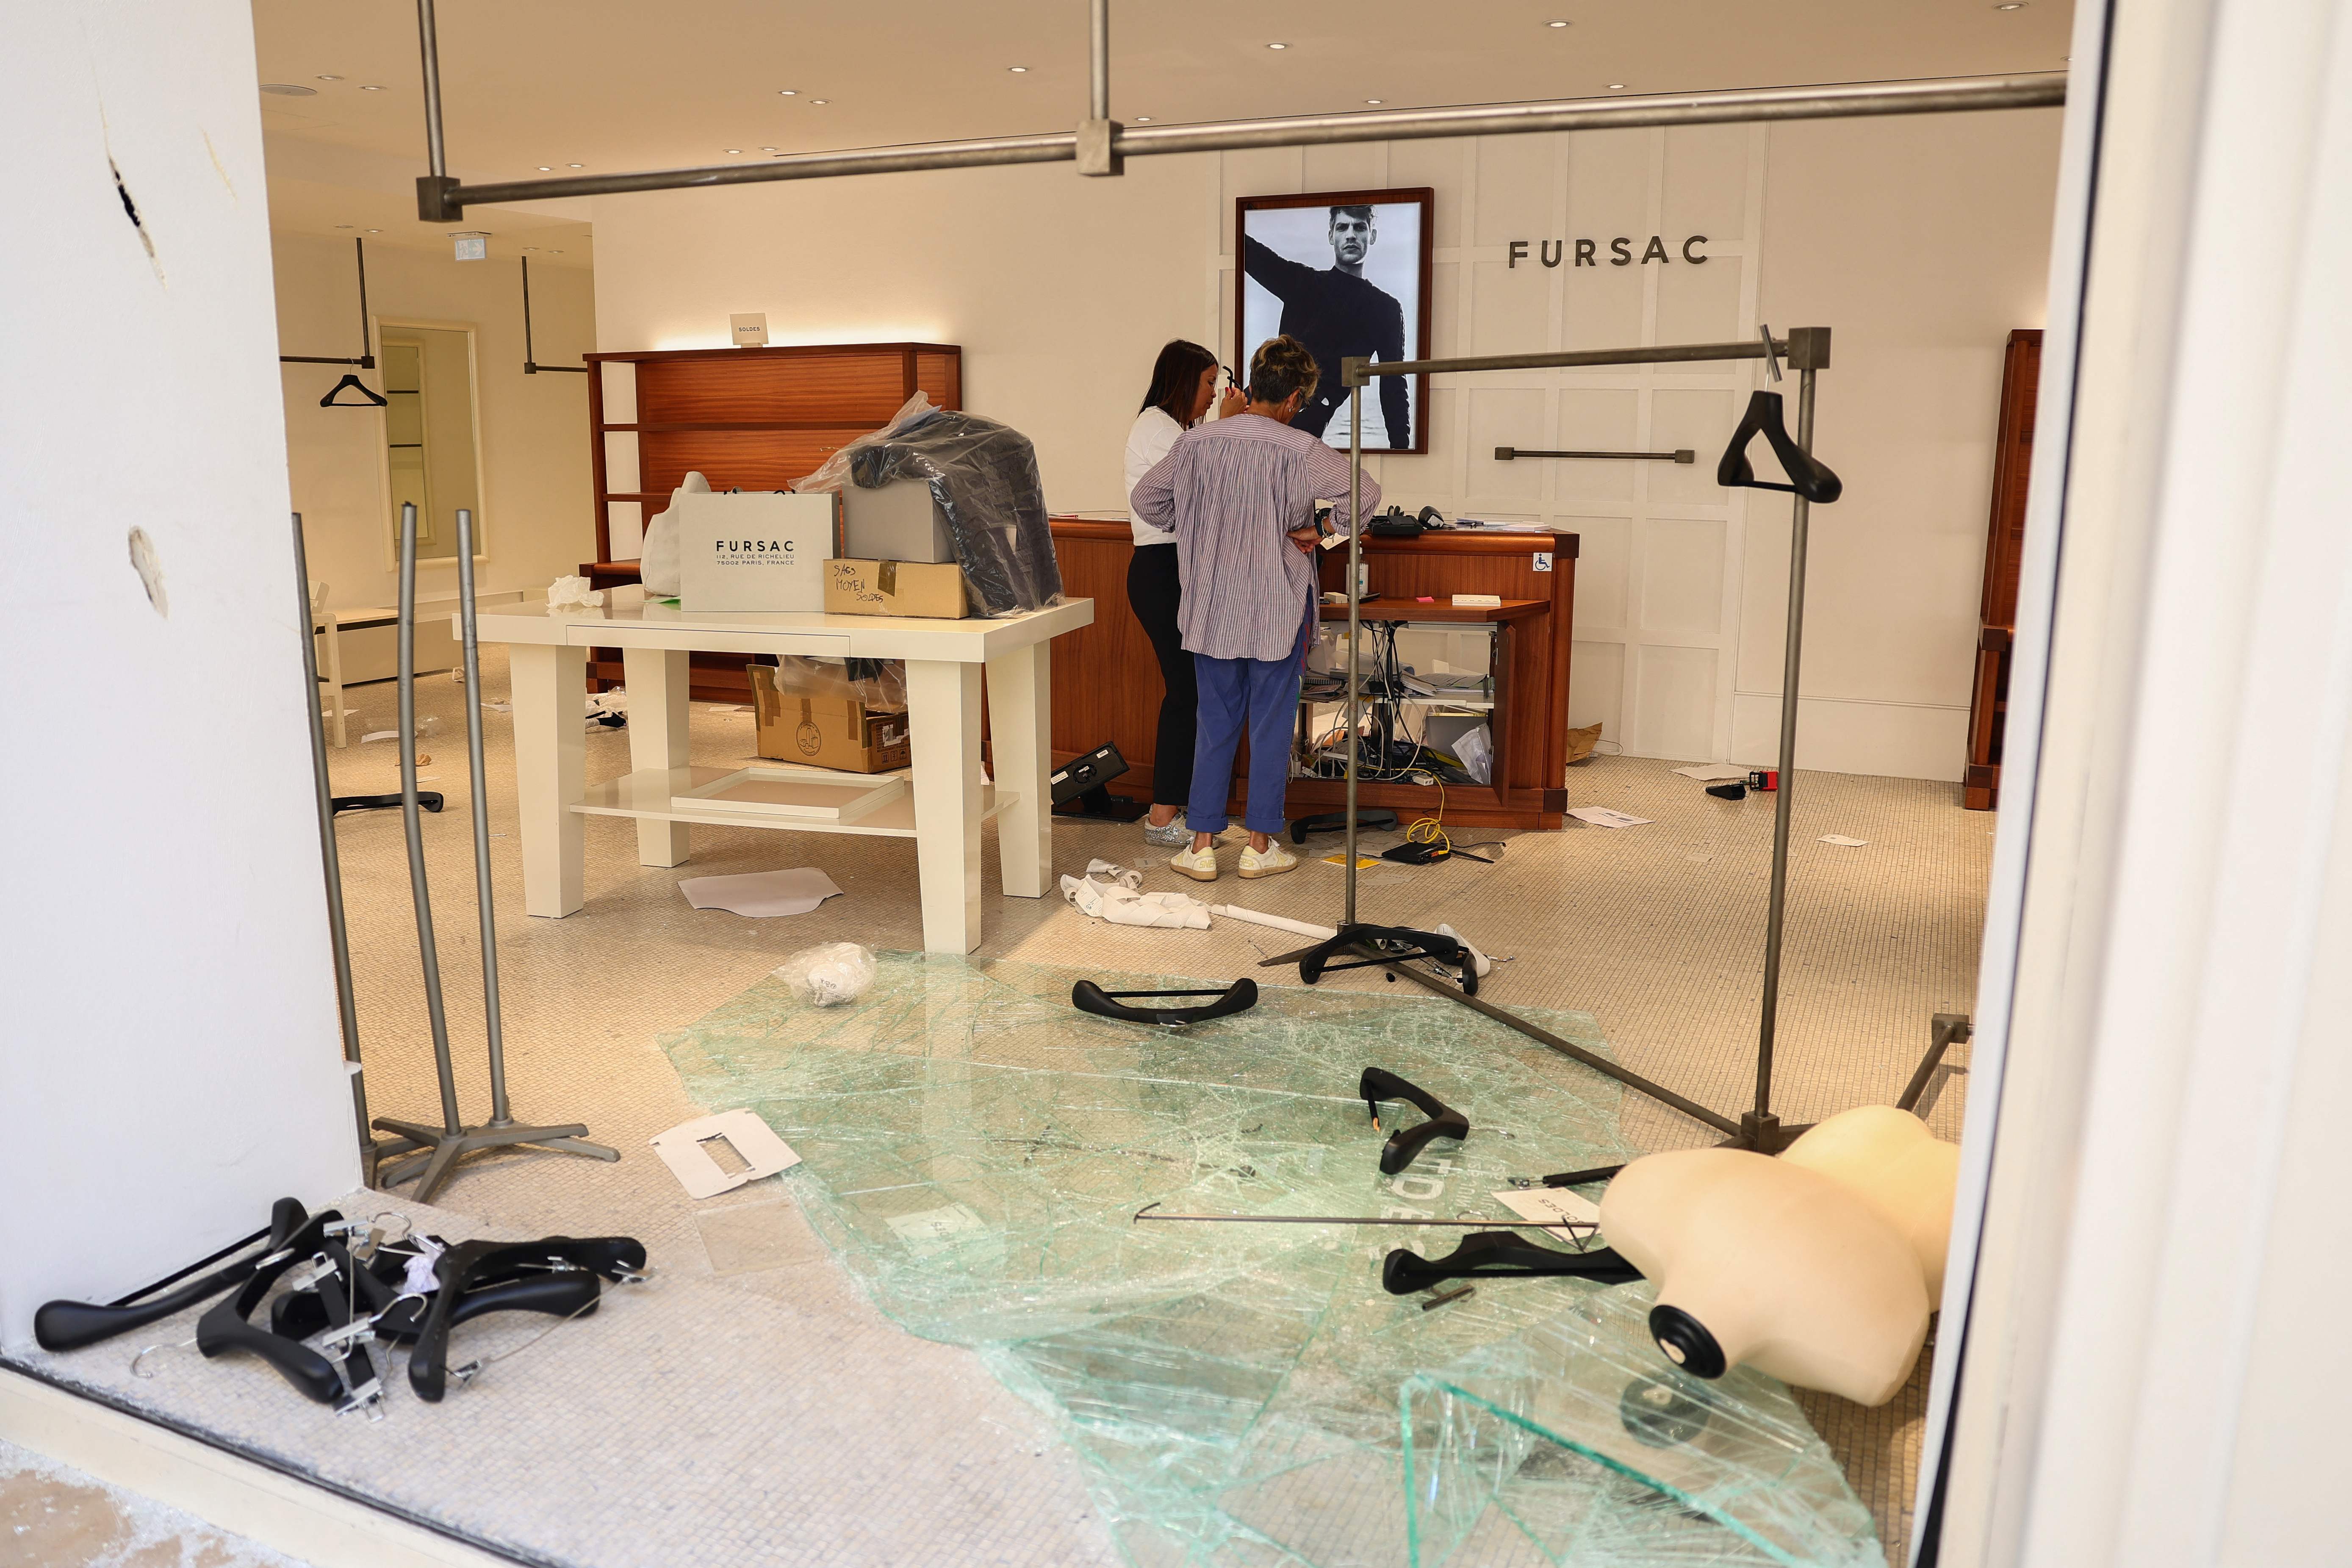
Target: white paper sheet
760, 894
1603, 817
380, 736
1713, 773
1843, 842
1555, 1203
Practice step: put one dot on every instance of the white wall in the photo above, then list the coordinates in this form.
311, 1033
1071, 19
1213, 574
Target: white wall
535, 513
170, 1061
1920, 242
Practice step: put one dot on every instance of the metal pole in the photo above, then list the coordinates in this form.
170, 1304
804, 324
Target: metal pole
367, 338
436, 157
1662, 353
500, 1115
1791, 664
413, 823
1099, 103
1355, 620
530, 360
1938, 96
338, 935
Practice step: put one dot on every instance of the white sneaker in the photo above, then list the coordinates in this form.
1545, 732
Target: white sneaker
1200, 865
1273, 862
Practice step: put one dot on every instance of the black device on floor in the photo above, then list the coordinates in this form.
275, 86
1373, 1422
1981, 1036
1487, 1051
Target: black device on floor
429, 799
1091, 772
1735, 790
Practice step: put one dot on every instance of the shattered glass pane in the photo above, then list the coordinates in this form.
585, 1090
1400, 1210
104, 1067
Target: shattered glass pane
975, 1151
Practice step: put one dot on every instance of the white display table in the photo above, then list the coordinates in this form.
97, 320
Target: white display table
548, 653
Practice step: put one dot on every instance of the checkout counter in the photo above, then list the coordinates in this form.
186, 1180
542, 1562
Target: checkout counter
1105, 681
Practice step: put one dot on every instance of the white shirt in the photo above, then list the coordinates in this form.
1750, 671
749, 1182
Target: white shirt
1148, 441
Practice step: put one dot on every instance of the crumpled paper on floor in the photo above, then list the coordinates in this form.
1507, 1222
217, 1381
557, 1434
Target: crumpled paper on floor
1112, 892
760, 894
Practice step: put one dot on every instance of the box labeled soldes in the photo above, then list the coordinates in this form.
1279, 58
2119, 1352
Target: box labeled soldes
894, 588
755, 551
825, 731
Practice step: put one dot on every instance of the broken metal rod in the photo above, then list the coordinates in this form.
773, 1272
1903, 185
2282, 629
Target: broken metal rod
1508, 1222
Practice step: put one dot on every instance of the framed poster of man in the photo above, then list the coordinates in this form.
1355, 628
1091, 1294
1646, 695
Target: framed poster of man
1346, 273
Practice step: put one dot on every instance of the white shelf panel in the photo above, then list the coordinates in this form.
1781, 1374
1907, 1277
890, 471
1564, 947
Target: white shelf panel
652, 793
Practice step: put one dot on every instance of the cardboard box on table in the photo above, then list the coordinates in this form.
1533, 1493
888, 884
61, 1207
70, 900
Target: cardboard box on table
755, 551
896, 522
825, 731
936, 591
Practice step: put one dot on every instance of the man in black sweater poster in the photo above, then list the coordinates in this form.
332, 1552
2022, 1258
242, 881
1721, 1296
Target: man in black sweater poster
1338, 314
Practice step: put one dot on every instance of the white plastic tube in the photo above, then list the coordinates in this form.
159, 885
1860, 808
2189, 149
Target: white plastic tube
1279, 922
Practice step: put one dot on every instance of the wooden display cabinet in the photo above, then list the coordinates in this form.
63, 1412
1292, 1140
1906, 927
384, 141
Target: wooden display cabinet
2021, 379
751, 419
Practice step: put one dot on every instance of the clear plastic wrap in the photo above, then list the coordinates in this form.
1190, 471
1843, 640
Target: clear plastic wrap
880, 683
974, 1151
833, 976
983, 475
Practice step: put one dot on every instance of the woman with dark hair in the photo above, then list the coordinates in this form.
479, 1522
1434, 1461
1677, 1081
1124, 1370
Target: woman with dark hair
1184, 383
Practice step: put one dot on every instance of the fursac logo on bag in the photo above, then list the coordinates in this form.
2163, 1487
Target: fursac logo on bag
755, 553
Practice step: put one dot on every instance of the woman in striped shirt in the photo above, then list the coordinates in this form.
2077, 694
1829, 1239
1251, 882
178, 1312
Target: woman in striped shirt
1239, 495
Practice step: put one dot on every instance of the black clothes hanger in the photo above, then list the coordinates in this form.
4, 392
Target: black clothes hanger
70, 1325
1238, 997
457, 1270
356, 385
1812, 479
1808, 478
1444, 1122
224, 1327
1394, 945
1499, 1255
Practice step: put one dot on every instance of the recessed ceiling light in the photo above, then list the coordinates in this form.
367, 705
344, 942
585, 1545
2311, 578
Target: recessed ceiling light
820, 103
576, 165
288, 90
1555, 24
734, 151
1375, 101
1018, 70
767, 149
2010, 6
547, 168
325, 78
376, 231
342, 225
371, 89
1277, 45
788, 91
1616, 87
1143, 119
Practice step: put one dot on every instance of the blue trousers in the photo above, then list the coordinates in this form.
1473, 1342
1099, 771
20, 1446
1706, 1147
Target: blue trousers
1257, 696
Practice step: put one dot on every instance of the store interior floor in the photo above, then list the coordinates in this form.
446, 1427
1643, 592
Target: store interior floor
1655, 930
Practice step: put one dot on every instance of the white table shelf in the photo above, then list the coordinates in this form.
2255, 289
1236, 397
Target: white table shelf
652, 795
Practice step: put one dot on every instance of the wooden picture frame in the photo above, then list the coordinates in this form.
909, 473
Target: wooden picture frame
1258, 319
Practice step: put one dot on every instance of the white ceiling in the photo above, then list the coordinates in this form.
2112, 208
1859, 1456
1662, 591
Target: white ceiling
617, 84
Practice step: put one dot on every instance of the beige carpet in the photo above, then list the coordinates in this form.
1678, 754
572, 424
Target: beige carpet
1655, 930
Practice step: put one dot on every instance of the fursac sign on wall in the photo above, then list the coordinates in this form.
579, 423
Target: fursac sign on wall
1618, 252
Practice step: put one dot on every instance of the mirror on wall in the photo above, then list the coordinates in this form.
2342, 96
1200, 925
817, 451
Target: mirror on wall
430, 453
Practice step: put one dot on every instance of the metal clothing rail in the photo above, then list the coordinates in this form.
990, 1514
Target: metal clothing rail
1683, 455
1807, 352
1100, 145
366, 360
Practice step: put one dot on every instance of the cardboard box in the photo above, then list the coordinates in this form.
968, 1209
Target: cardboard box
754, 551
853, 587
825, 731
896, 522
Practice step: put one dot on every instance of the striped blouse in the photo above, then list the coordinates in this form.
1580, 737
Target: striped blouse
1231, 491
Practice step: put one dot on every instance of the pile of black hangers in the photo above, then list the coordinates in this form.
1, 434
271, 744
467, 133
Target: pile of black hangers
350, 1291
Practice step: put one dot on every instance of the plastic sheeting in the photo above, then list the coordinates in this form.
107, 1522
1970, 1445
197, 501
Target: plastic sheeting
974, 1149
983, 475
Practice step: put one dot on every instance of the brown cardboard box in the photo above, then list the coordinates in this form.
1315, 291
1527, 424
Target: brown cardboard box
825, 731
855, 587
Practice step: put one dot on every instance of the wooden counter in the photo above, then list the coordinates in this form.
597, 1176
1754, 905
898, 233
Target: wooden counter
1107, 682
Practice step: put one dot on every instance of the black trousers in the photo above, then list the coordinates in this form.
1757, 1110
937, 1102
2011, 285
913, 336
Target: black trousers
1154, 591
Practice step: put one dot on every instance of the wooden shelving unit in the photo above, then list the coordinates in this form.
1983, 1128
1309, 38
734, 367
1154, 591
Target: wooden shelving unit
755, 419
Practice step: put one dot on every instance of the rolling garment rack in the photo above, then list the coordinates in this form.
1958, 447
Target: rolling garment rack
417, 1148
1807, 351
